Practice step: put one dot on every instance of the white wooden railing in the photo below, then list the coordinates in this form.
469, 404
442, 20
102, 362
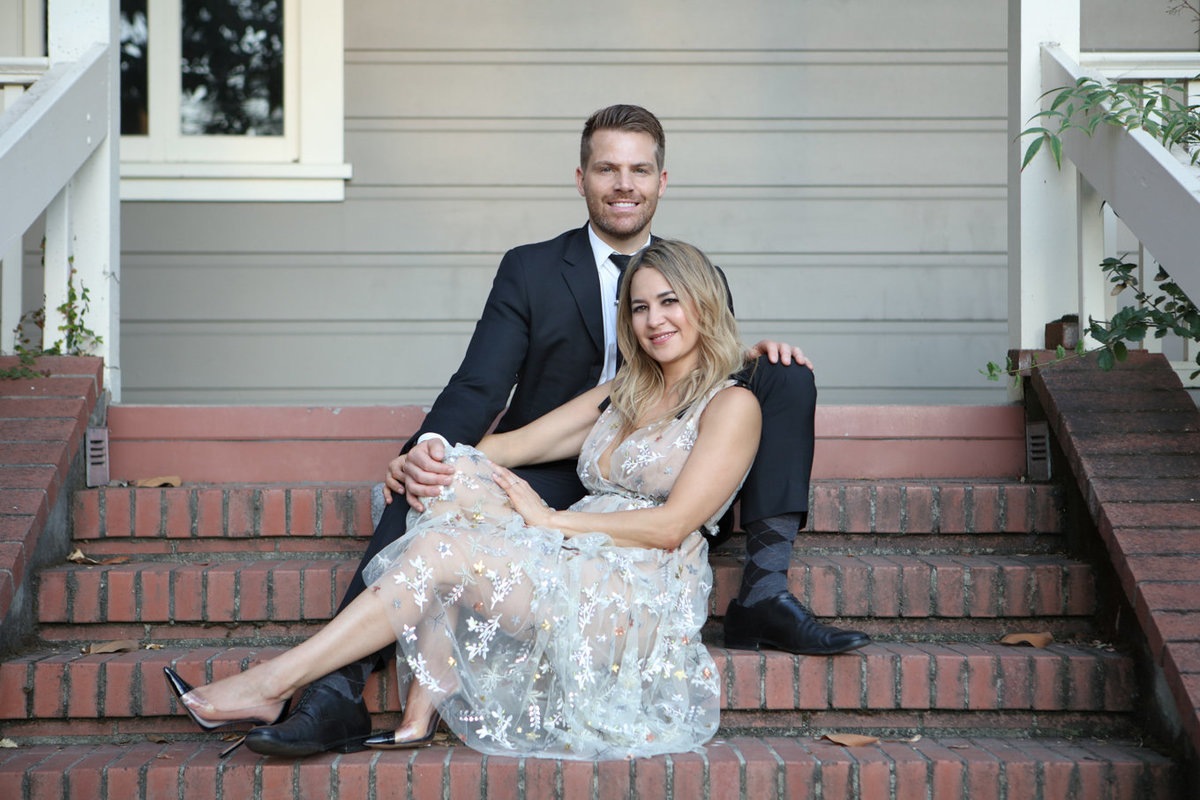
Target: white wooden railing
16, 76
1060, 221
58, 157
1151, 69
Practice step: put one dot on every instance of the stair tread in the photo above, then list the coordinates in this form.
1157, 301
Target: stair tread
235, 511
305, 588
736, 767
900, 676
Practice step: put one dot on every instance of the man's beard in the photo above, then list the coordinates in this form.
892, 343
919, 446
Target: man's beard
603, 222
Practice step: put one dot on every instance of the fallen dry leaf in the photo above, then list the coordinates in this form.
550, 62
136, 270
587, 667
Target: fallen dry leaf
152, 646
156, 738
157, 481
115, 560
1031, 639
851, 739
8, 743
116, 646
76, 556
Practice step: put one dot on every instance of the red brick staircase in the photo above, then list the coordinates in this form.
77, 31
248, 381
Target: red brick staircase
937, 570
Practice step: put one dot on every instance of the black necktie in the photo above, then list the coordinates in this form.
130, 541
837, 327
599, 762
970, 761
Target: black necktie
621, 261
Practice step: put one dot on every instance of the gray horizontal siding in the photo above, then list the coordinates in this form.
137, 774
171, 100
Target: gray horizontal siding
843, 162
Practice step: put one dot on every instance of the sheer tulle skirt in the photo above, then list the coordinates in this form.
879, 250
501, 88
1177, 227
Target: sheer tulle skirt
535, 645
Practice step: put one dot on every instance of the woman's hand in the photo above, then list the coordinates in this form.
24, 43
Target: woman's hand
524, 499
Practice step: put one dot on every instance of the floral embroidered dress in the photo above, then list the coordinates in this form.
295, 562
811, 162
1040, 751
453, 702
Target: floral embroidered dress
534, 644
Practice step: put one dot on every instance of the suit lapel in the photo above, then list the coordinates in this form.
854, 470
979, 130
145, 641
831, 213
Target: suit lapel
579, 272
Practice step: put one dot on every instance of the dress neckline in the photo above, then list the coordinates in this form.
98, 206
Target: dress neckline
684, 415
617, 446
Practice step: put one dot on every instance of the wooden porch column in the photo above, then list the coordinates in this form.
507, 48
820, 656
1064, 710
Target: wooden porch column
1042, 200
83, 222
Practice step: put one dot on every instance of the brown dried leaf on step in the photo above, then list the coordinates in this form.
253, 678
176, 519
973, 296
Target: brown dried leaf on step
232, 737
8, 743
1032, 639
156, 738
76, 556
851, 739
909, 740
116, 646
152, 646
157, 481
114, 560
958, 746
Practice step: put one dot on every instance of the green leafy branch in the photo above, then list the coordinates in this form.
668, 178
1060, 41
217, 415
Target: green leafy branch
1167, 311
1132, 106
77, 339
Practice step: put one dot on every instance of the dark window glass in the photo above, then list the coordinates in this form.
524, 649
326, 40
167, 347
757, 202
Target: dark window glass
232, 70
135, 117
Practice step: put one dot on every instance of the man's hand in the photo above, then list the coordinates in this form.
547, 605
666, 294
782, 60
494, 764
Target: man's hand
393, 482
421, 473
779, 351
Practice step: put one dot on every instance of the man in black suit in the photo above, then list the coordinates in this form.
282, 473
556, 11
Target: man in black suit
547, 329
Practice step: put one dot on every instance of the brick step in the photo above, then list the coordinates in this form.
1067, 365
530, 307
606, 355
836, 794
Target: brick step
249, 545
911, 543
179, 516
127, 690
278, 590
746, 767
241, 517
264, 634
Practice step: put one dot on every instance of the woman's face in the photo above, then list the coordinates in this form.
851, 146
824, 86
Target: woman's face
662, 320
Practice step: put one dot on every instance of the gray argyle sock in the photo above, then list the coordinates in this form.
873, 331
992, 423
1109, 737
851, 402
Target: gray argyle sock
350, 680
768, 553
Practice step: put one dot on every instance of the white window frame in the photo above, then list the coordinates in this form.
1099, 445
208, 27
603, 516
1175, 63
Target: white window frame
304, 164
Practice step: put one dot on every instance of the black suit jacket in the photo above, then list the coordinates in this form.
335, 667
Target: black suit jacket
541, 331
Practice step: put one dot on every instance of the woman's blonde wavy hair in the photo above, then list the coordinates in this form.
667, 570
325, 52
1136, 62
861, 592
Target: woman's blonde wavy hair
639, 382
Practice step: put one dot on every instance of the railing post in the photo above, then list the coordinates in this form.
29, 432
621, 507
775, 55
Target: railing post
1147, 268
1093, 293
1042, 199
10, 292
11, 260
91, 201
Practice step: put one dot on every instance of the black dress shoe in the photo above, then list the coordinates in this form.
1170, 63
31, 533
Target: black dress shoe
323, 720
783, 623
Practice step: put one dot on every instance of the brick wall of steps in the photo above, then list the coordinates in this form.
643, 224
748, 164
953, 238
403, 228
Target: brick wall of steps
937, 571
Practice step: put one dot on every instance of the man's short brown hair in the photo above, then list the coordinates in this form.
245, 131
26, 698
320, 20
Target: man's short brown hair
623, 118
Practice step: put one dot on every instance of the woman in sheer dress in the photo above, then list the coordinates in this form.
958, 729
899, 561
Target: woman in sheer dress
566, 634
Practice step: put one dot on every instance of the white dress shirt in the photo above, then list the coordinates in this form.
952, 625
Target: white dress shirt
610, 277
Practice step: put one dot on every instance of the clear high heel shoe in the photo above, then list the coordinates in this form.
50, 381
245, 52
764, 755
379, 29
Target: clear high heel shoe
180, 687
388, 741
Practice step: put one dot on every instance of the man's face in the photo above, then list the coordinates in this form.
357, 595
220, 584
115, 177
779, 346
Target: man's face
621, 184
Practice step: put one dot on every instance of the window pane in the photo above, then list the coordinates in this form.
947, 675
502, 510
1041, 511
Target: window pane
232, 67
134, 108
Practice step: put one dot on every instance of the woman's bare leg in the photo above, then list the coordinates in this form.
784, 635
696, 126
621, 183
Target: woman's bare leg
360, 629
